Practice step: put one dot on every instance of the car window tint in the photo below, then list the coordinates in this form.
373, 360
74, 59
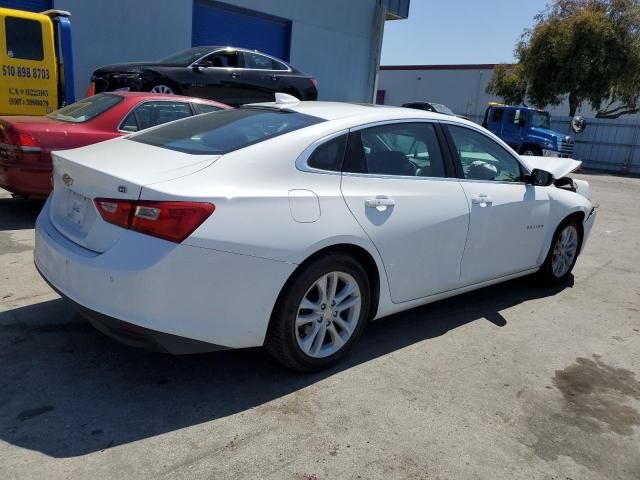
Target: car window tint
276, 65
512, 116
225, 131
497, 114
130, 124
23, 38
256, 61
86, 109
404, 149
205, 108
329, 155
482, 158
150, 114
223, 59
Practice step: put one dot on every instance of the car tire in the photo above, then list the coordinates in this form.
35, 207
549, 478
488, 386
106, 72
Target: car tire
531, 151
309, 330
164, 89
563, 252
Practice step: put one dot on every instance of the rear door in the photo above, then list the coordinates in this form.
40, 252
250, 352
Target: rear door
396, 183
508, 218
259, 77
28, 84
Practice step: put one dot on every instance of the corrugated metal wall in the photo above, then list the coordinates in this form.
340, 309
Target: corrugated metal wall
609, 145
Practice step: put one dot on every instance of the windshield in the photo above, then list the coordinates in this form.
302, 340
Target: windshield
540, 120
86, 109
222, 132
185, 57
438, 107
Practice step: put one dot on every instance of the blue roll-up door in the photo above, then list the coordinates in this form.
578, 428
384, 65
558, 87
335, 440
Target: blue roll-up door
30, 5
217, 23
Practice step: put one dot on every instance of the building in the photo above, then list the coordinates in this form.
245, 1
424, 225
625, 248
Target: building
460, 87
336, 41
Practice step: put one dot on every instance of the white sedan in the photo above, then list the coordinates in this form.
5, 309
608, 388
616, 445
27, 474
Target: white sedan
292, 224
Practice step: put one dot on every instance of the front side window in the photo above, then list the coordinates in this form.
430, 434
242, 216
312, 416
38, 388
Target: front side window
482, 158
222, 59
497, 114
86, 109
24, 38
329, 155
225, 131
403, 149
150, 114
540, 120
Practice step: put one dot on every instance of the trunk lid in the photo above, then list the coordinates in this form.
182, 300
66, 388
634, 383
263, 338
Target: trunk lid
115, 169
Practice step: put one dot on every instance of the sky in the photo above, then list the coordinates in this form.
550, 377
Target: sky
458, 31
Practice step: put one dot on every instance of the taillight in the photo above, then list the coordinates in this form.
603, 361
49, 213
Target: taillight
315, 82
26, 140
173, 221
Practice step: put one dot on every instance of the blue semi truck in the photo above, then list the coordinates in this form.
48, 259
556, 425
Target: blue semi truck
527, 130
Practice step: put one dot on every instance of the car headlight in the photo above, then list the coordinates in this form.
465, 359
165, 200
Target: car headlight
127, 76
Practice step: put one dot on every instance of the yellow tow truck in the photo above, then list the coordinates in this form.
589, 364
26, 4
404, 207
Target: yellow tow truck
36, 62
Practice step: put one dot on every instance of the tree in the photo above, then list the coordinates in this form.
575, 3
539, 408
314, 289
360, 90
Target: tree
583, 50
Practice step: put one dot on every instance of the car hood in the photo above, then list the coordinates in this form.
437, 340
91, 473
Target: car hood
558, 167
130, 67
547, 134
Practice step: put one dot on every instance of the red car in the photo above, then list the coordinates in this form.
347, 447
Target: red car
26, 142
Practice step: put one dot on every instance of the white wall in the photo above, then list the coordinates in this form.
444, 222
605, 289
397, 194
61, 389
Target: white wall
333, 40
115, 31
462, 90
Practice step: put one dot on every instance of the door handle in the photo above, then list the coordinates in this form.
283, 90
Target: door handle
482, 199
380, 203
234, 75
275, 78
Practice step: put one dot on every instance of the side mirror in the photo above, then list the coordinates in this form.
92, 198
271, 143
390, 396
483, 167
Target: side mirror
578, 124
539, 178
200, 65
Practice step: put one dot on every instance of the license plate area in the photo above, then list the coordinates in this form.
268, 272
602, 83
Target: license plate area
77, 206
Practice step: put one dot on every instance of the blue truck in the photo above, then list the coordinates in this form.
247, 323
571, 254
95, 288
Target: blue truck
527, 130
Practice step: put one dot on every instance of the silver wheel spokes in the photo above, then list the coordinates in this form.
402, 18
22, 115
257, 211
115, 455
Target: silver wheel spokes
564, 251
328, 314
161, 89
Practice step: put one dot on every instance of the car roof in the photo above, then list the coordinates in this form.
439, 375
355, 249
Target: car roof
354, 111
164, 96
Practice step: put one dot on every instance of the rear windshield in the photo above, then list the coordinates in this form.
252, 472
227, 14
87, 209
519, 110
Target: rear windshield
86, 109
222, 132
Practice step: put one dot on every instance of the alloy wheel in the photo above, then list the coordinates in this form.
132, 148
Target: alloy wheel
162, 89
328, 314
564, 251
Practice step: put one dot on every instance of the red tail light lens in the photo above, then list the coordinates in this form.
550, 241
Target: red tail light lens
172, 221
315, 82
25, 140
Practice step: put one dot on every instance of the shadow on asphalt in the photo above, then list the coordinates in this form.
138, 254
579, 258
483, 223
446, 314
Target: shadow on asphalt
18, 213
66, 390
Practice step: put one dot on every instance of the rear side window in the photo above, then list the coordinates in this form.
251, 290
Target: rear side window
329, 155
225, 131
497, 114
402, 149
205, 108
86, 109
150, 114
24, 38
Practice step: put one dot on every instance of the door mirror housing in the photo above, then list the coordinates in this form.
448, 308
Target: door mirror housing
539, 178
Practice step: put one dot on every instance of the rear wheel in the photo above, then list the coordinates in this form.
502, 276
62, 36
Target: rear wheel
165, 89
320, 314
563, 252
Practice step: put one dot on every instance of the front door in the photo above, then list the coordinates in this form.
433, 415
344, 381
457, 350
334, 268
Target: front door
508, 218
220, 77
395, 184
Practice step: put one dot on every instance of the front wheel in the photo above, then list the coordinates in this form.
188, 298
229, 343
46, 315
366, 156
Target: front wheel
563, 252
320, 314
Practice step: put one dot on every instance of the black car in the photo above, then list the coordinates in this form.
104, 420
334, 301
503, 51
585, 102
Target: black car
230, 75
433, 107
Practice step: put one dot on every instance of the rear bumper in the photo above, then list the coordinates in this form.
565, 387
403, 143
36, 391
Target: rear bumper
196, 293
26, 180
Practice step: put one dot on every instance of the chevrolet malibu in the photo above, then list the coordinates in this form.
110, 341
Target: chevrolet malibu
291, 224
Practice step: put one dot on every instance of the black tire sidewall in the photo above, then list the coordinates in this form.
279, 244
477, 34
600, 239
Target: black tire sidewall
281, 338
547, 267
